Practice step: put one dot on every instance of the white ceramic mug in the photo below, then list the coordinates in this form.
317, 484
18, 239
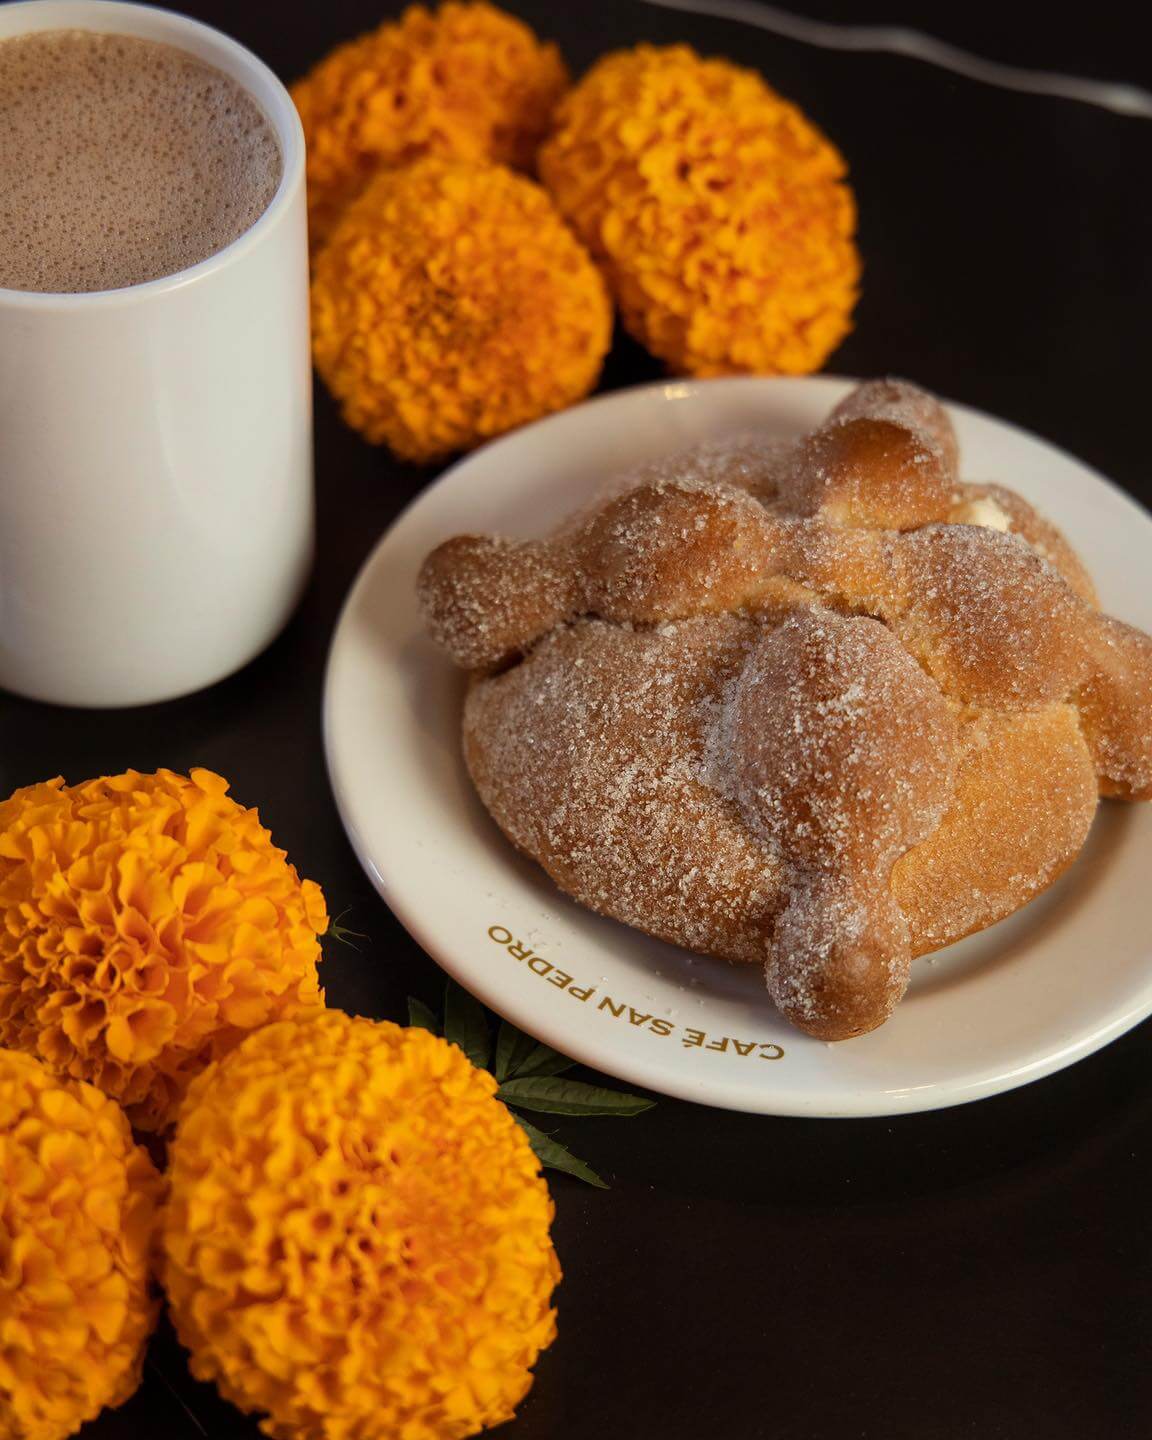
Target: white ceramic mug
156, 505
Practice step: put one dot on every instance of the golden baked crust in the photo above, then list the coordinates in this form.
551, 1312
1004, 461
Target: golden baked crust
824, 710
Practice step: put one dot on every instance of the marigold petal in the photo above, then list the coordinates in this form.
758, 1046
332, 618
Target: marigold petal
123, 903
432, 345
385, 1222
466, 81
719, 213
75, 1305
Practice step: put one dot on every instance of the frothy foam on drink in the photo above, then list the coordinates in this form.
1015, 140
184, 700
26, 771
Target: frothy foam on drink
122, 160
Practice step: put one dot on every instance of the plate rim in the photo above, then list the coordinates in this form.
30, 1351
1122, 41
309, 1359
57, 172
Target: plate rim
632, 1066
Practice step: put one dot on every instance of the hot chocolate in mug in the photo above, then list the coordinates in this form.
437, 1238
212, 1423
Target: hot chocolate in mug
156, 502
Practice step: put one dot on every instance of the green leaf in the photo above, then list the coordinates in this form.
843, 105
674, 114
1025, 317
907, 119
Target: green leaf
422, 1016
542, 1061
466, 1024
512, 1049
554, 1156
569, 1097
343, 934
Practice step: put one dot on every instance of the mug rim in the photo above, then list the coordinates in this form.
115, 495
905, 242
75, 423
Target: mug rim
284, 119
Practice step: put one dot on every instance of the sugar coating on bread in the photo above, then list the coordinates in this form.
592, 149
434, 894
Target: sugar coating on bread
909, 408
1024, 797
596, 758
756, 463
824, 709
869, 471
987, 615
840, 753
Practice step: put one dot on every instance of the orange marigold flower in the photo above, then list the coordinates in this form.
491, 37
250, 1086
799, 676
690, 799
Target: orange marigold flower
356, 1238
718, 211
451, 304
77, 1208
148, 923
466, 80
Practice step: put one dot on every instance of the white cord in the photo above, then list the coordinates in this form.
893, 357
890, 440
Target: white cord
896, 40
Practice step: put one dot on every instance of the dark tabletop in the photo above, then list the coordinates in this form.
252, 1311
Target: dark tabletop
978, 1272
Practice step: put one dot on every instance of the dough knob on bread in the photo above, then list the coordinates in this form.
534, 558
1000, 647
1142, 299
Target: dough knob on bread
997, 508
486, 600
663, 552
886, 457
843, 757
1116, 709
990, 619
840, 957
869, 471
657, 552
910, 407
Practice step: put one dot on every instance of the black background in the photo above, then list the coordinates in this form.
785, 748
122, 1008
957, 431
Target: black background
980, 1272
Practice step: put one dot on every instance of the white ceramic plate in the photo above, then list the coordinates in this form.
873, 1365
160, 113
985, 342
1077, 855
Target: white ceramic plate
1038, 991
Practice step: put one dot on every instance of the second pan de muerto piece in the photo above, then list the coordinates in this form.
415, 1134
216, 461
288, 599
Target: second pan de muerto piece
821, 708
